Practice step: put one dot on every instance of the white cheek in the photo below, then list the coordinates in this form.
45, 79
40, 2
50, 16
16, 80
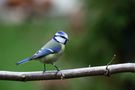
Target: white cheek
62, 40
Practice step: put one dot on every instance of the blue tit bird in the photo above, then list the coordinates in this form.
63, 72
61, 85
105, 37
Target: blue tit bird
51, 51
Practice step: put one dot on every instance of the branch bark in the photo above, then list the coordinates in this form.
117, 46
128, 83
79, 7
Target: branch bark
69, 73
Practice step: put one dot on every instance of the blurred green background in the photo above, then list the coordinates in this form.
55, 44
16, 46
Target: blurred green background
97, 30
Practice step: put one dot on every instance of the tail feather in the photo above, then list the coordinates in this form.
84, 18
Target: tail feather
23, 61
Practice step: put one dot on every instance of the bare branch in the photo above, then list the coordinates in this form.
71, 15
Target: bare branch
67, 74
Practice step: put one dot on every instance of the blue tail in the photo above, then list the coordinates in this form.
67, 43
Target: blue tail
23, 61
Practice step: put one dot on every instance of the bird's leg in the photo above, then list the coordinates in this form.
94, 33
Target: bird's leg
44, 68
62, 75
56, 67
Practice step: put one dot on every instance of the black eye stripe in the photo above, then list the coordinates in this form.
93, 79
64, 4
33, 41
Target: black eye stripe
60, 36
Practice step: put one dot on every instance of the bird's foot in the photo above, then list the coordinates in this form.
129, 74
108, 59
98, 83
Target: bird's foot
61, 75
44, 71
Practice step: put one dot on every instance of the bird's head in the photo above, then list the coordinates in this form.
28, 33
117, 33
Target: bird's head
61, 37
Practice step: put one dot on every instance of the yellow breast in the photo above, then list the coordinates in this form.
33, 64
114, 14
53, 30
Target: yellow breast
52, 57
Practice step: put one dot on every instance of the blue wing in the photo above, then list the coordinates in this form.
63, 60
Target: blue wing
42, 53
47, 51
